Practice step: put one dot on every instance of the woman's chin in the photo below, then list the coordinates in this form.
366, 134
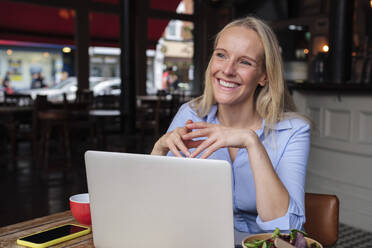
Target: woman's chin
225, 100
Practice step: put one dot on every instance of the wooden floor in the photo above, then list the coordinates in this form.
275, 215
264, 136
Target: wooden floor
26, 193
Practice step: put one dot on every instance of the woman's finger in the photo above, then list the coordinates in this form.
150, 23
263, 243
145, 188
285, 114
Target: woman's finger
196, 134
188, 122
174, 150
186, 128
181, 146
193, 143
206, 143
211, 149
198, 125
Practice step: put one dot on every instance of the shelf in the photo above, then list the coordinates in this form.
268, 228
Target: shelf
328, 87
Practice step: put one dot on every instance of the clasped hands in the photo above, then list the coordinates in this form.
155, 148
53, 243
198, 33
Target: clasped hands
215, 136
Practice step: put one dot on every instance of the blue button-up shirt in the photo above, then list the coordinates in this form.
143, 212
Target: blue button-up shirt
288, 148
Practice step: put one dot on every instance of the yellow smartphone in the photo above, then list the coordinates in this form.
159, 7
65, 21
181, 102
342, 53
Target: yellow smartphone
53, 235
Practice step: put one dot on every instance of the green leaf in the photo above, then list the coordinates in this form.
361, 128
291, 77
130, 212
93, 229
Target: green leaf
264, 245
276, 233
258, 242
255, 243
293, 234
251, 245
304, 233
296, 230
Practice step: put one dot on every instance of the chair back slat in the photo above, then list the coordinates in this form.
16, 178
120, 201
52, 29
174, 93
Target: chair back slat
106, 102
322, 217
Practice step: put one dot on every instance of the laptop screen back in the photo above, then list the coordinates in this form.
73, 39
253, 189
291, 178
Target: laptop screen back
157, 201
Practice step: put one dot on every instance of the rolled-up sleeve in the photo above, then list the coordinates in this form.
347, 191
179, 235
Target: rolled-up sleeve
291, 170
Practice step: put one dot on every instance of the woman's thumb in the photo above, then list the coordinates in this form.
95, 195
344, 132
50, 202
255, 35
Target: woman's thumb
188, 122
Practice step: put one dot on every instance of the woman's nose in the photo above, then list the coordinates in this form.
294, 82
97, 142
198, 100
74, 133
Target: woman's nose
229, 68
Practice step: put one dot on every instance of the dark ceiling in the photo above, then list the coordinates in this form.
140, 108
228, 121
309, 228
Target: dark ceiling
30, 21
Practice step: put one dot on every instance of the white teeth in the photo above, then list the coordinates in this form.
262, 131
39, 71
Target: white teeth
227, 84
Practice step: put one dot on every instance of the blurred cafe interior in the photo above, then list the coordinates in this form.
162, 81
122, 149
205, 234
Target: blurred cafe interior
110, 74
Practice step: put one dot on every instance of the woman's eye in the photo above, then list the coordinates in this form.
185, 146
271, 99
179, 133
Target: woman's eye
220, 55
245, 62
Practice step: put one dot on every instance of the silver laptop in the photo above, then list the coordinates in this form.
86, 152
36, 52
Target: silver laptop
140, 201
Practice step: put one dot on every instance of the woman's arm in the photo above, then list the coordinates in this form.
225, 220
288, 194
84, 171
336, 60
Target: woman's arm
173, 141
272, 196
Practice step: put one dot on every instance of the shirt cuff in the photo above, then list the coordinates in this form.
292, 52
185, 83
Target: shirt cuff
282, 223
293, 219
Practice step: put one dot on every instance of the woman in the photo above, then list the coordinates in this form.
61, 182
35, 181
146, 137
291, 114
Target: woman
246, 116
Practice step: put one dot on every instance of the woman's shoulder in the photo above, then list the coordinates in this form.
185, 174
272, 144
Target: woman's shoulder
294, 121
190, 109
187, 109
186, 112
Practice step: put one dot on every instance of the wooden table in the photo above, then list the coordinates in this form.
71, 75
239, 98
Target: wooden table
104, 113
100, 118
10, 234
151, 100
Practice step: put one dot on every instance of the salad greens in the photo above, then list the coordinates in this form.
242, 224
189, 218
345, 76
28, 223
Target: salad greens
295, 237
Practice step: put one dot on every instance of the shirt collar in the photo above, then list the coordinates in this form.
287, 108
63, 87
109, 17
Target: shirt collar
282, 125
212, 115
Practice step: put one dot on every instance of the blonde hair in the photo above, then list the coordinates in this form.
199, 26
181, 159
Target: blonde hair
273, 101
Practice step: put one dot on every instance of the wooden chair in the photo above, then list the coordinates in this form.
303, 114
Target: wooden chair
322, 214
84, 97
41, 103
149, 116
19, 122
79, 123
106, 102
177, 100
50, 120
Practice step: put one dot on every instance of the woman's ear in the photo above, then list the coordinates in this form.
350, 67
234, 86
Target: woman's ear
263, 80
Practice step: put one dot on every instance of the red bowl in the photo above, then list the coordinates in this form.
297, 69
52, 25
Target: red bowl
80, 209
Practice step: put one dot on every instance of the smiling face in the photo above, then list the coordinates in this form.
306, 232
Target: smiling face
236, 66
